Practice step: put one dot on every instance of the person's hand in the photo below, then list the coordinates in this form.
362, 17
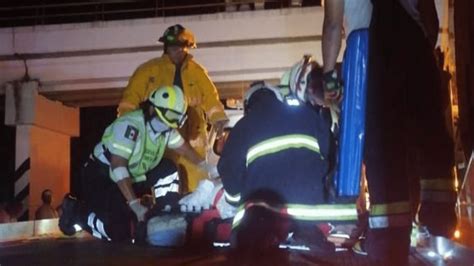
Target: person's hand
138, 209
200, 199
332, 86
219, 127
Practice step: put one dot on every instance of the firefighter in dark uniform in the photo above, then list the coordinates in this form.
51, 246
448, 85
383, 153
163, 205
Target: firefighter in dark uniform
405, 117
275, 162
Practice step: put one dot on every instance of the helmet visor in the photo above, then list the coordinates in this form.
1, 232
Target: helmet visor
172, 118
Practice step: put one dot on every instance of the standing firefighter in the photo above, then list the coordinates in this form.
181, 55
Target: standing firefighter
405, 115
128, 163
177, 67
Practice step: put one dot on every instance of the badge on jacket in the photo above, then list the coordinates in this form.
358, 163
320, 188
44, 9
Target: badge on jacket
131, 133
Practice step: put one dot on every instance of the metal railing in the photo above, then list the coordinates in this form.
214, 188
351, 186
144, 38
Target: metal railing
12, 15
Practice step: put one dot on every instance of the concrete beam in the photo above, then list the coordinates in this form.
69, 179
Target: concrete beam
234, 47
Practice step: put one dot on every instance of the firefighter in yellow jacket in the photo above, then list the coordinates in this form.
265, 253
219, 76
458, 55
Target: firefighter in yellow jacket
177, 67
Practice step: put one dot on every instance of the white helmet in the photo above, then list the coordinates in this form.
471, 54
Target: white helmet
298, 77
170, 105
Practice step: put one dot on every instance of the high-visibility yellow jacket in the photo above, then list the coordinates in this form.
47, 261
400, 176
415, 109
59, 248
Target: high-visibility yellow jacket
200, 93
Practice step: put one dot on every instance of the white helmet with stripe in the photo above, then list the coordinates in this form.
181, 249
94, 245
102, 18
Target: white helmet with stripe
170, 105
298, 78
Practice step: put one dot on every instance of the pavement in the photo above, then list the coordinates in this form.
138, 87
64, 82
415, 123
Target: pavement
89, 251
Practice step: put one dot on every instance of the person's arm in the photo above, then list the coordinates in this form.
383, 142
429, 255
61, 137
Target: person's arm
189, 153
121, 176
211, 103
123, 179
124, 137
177, 143
135, 91
332, 33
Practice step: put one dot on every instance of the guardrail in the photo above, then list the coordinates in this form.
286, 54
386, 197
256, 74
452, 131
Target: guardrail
31, 14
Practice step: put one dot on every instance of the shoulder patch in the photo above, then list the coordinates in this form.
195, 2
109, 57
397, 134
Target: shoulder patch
131, 133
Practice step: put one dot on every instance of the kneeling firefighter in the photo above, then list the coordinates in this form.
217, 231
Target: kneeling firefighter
127, 163
274, 166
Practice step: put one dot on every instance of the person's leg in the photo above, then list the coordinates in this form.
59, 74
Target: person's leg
164, 181
102, 210
388, 238
435, 145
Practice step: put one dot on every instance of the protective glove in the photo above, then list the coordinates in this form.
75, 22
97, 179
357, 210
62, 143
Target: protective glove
138, 209
332, 85
223, 207
210, 169
200, 199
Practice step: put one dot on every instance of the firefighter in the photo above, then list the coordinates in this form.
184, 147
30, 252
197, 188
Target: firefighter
128, 163
274, 162
405, 114
177, 67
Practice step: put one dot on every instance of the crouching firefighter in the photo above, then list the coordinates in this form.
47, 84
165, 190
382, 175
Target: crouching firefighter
274, 166
127, 163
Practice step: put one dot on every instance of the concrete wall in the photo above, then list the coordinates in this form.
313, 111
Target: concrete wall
42, 155
50, 166
233, 46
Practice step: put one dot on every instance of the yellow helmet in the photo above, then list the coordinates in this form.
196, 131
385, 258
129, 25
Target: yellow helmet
170, 105
178, 35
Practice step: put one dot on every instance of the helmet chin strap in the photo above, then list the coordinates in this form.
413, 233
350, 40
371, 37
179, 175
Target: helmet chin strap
157, 126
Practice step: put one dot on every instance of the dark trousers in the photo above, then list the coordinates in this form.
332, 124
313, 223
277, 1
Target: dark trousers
405, 116
104, 211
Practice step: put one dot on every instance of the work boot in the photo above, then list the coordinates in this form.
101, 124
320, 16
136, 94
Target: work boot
68, 217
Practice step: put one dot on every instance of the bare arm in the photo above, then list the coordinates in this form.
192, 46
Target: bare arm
125, 184
332, 32
189, 153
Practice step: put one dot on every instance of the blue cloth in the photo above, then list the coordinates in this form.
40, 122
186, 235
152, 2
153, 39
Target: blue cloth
351, 142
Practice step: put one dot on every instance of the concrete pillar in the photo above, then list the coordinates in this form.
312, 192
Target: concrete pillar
43, 132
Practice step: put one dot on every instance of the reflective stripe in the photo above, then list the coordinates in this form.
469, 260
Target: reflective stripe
97, 227
161, 191
90, 220
167, 179
96, 234
175, 141
122, 148
232, 198
437, 184
390, 221
238, 217
277, 144
172, 97
338, 212
319, 212
438, 196
100, 228
390, 208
